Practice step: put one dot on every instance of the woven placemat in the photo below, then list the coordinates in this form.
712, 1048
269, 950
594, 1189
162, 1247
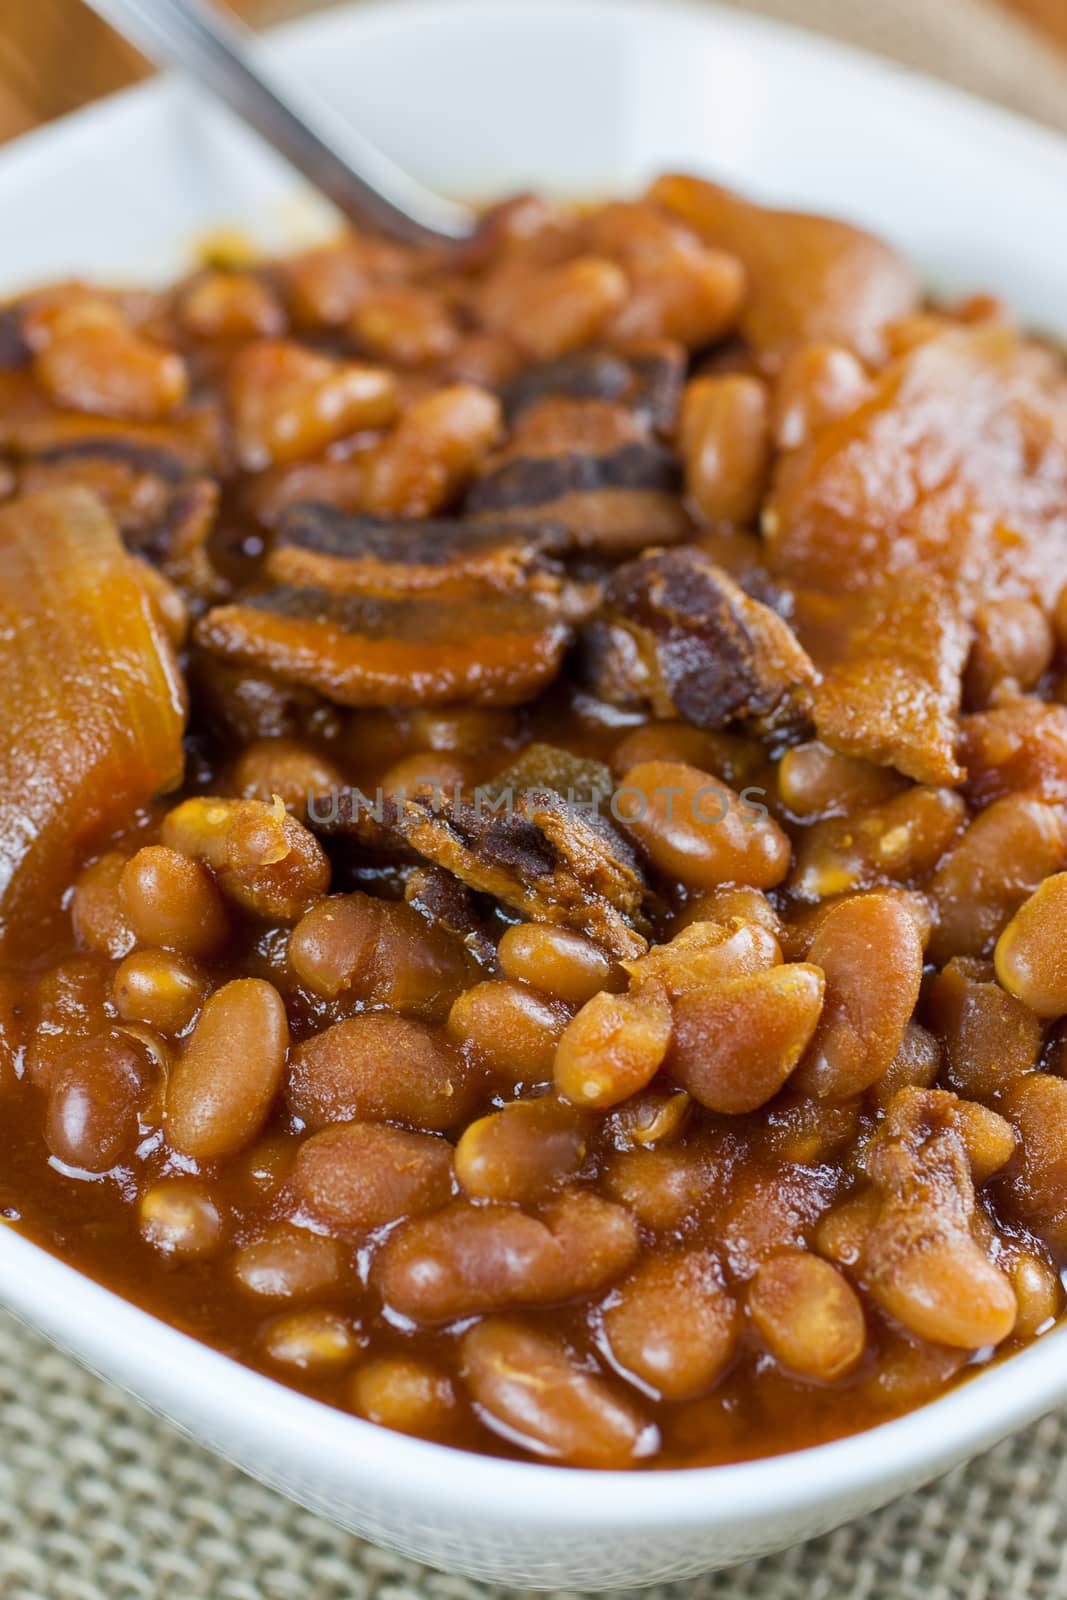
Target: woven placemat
100, 1501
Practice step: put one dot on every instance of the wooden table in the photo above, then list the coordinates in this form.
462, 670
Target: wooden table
55, 55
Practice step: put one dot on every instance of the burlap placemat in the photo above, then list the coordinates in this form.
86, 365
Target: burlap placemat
100, 1501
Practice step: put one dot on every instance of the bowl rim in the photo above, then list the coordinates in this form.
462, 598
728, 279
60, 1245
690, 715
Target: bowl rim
133, 1347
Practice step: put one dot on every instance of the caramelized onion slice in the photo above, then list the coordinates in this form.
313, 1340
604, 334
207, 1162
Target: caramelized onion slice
94, 705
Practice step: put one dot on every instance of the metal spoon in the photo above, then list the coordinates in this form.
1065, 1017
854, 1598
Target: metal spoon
220, 53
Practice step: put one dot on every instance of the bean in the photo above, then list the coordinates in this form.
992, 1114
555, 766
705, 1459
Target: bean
266, 1165
433, 453
1013, 646
179, 1218
1037, 1184
692, 295
990, 1039
1031, 953
567, 306
732, 903
842, 1232
160, 988
71, 1002
462, 730
404, 325
735, 760
665, 1187
808, 1315
288, 403
989, 1139
379, 951
949, 1293
899, 841
99, 1087
817, 384
704, 953
726, 447
916, 1064
408, 1395
288, 768
231, 305
561, 964
509, 1029
97, 912
90, 359
380, 1067
1002, 857
870, 954
649, 1119
815, 782
520, 1152
673, 1325
263, 858
613, 1047
172, 901
696, 830
289, 1263
433, 773
736, 1043
222, 1087
809, 1131
1038, 1292
358, 1176
473, 1258
317, 1343
530, 1389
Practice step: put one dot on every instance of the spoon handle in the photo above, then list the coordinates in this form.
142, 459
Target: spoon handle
219, 52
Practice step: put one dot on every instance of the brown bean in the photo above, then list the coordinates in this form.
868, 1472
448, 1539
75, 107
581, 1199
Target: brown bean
817, 384
172, 901
179, 1218
1037, 1184
809, 1316
98, 1089
949, 1293
231, 305
379, 951
316, 1343
734, 759
1002, 857
473, 1258
509, 1029
72, 1001
704, 953
288, 768
222, 1087
1031, 953
815, 782
530, 1388
897, 841
916, 1063
736, 1043
567, 306
729, 904
288, 403
989, 1038
673, 1324
613, 1047
559, 963
726, 447
358, 1176
1039, 1294
161, 988
408, 1395
654, 1117
96, 909
89, 358
696, 830
433, 453
989, 1139
263, 858
665, 1187
520, 1152
380, 1066
289, 1263
1013, 645
405, 325
869, 951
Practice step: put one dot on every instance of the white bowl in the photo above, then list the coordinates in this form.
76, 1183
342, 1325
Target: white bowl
477, 96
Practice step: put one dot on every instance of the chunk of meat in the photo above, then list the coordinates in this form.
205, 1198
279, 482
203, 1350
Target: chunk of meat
646, 375
689, 642
532, 851
320, 547
956, 466
891, 691
94, 703
591, 467
357, 650
809, 278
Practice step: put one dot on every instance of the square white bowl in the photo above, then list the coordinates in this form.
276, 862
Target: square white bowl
587, 97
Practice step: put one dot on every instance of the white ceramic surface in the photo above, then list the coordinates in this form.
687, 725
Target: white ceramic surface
477, 96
